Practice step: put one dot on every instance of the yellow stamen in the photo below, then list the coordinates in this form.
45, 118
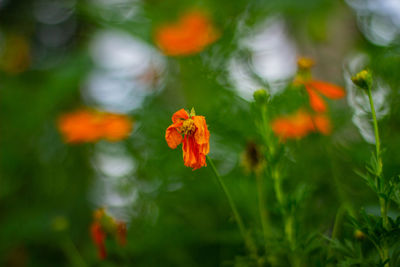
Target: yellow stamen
188, 127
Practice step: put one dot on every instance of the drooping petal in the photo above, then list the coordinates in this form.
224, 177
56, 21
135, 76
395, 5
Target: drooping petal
327, 89
180, 115
173, 136
191, 156
316, 101
322, 124
189, 151
202, 135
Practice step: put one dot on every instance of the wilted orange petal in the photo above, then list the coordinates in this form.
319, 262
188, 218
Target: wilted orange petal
327, 89
173, 136
180, 115
316, 101
202, 135
191, 156
322, 124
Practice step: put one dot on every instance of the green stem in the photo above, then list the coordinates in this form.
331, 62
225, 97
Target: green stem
72, 253
288, 218
262, 210
382, 201
245, 235
376, 130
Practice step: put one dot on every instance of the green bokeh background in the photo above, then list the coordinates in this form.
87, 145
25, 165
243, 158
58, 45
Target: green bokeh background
179, 217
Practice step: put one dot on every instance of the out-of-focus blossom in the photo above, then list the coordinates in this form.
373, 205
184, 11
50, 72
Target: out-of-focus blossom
104, 225
189, 35
121, 233
315, 87
252, 158
115, 126
300, 124
99, 237
90, 126
195, 137
15, 57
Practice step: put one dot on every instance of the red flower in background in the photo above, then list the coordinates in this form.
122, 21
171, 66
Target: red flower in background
195, 137
189, 35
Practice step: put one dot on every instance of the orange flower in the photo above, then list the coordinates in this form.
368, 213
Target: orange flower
80, 126
116, 127
189, 35
299, 125
329, 90
195, 137
90, 126
103, 224
99, 237
314, 87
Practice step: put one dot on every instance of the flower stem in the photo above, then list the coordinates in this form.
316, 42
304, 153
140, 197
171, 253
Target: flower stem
262, 210
288, 218
245, 235
72, 253
382, 201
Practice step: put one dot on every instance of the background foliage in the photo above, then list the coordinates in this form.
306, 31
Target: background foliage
70, 54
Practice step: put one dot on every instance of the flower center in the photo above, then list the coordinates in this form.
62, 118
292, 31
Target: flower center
188, 127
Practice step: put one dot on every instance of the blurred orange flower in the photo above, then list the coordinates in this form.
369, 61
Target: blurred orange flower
315, 87
99, 237
189, 35
90, 126
299, 125
116, 127
102, 225
195, 137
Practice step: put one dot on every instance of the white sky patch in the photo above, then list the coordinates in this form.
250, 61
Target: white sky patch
273, 58
379, 20
127, 70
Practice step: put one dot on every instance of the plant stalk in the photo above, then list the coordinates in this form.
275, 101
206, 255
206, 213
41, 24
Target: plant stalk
262, 209
382, 201
250, 245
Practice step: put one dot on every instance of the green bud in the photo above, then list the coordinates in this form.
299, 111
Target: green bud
60, 223
363, 79
261, 96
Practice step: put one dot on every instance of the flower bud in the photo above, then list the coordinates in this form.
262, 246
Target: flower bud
305, 63
363, 79
261, 96
359, 235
